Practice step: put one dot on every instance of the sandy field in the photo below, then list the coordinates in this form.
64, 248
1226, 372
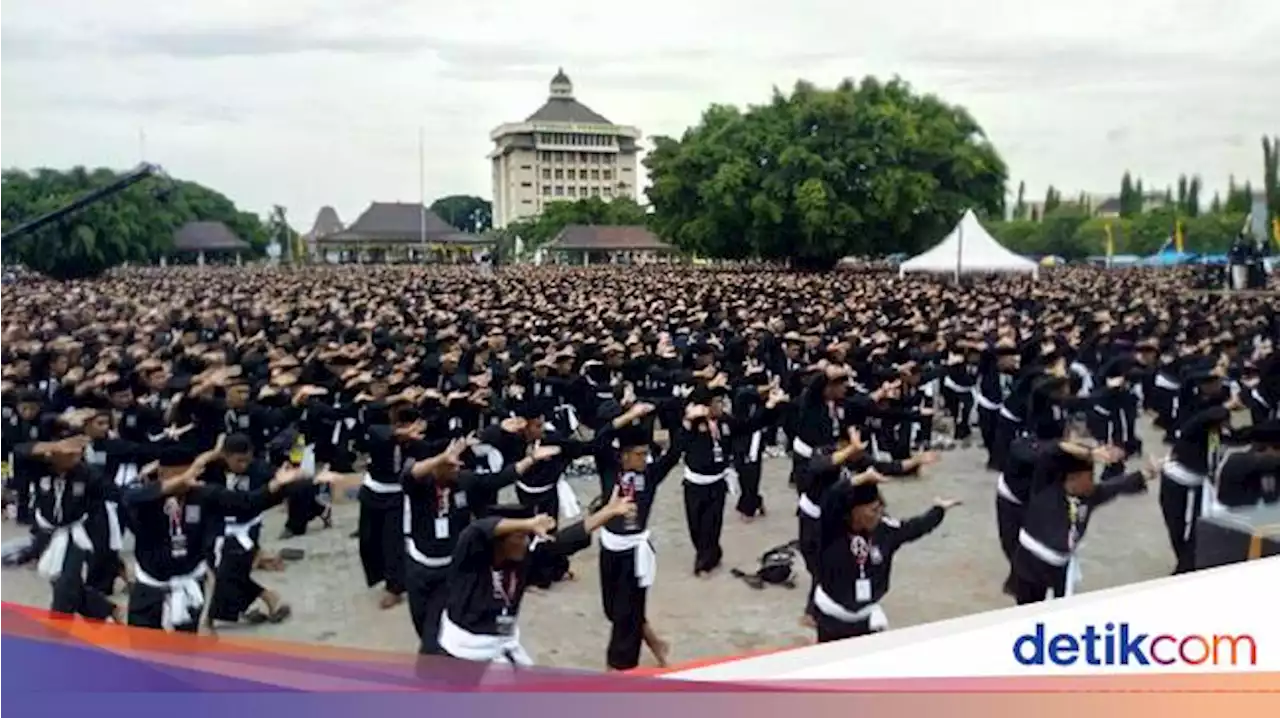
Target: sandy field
955, 571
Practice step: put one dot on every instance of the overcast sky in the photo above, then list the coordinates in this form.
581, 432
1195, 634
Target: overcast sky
313, 102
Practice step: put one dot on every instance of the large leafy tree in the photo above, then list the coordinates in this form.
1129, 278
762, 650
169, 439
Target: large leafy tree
868, 169
135, 225
467, 213
536, 231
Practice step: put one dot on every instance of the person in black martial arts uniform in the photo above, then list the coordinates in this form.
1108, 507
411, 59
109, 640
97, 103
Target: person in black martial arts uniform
235, 550
65, 493
858, 543
627, 560
751, 407
1113, 416
1045, 564
486, 582
959, 383
174, 516
1249, 478
996, 372
709, 474
25, 424
380, 527
844, 460
437, 492
1203, 426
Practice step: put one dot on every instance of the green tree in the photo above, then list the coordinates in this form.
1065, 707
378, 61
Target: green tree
1193, 197
1052, 198
277, 228
1271, 174
1130, 202
869, 168
467, 213
533, 232
134, 225
1216, 205
1183, 186
1020, 206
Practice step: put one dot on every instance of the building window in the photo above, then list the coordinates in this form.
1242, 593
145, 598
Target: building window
582, 156
626, 169
608, 191
526, 184
546, 173
595, 174
526, 167
607, 159
559, 173
544, 156
595, 191
573, 191
608, 174
559, 190
583, 191
572, 174
546, 190
526, 201
595, 159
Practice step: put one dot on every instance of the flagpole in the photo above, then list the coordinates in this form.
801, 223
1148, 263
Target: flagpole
142, 145
422, 196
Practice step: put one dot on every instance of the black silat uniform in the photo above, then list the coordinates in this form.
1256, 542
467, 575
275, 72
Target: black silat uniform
435, 515
626, 557
172, 532
380, 527
483, 604
236, 544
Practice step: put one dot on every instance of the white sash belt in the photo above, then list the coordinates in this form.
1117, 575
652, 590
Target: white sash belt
753, 451
871, 613
422, 558
569, 506
801, 449
115, 536
808, 508
729, 476
55, 554
646, 557
1042, 552
1166, 383
952, 386
1009, 415
1006, 493
461, 643
241, 532
126, 474
984, 402
1181, 474
185, 594
379, 487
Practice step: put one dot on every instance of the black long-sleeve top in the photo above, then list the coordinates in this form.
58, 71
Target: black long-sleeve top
839, 568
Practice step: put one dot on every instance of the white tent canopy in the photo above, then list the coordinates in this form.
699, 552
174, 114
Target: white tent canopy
968, 249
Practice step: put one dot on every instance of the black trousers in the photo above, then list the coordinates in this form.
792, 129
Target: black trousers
624, 605
146, 608
750, 503
987, 428
1006, 432
234, 590
72, 595
959, 405
381, 536
1027, 590
21, 484
810, 547
428, 590
1177, 503
831, 629
1008, 524
105, 565
704, 514
304, 506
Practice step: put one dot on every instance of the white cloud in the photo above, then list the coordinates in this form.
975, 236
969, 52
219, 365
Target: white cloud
315, 102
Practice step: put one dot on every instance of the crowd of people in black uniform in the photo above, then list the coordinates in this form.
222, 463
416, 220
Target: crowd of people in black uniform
179, 405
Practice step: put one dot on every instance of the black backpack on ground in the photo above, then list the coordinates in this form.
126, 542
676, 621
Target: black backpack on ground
775, 567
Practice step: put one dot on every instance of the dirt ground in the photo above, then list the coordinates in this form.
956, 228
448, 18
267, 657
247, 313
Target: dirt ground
955, 571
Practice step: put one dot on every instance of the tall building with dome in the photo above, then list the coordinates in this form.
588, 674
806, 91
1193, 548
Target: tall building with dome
562, 152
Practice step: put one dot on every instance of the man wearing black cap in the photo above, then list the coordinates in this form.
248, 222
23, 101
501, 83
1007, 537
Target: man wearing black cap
996, 372
1113, 415
235, 550
174, 517
437, 509
1045, 564
66, 492
858, 543
382, 501
627, 561
1202, 425
487, 577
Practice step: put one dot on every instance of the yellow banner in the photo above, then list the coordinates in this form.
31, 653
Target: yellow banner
1275, 230
1177, 236
1111, 241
